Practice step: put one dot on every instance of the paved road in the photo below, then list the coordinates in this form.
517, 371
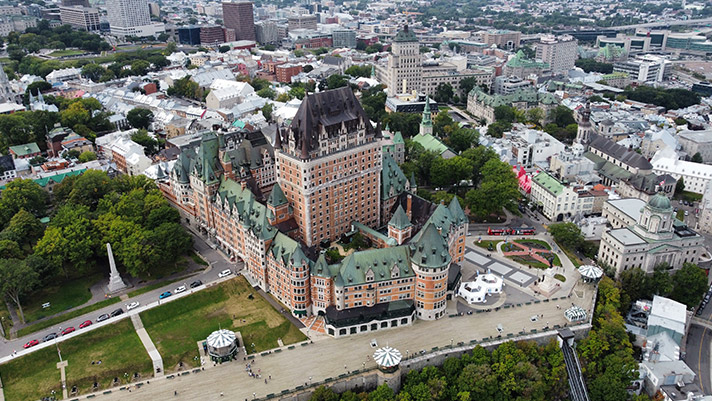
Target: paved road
697, 355
217, 264
661, 24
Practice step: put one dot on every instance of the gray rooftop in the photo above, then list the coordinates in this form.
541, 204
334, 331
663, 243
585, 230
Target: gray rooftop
630, 206
697, 136
626, 237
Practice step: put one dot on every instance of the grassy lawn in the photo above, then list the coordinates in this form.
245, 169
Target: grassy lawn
197, 259
560, 277
574, 259
177, 326
485, 244
533, 243
680, 215
527, 261
117, 346
68, 52
153, 286
689, 196
61, 318
61, 297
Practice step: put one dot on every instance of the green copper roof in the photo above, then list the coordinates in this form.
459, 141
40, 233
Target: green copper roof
25, 149
57, 178
393, 181
458, 215
400, 219
660, 201
276, 197
398, 138
243, 206
551, 184
430, 143
375, 265
405, 35
288, 251
520, 61
430, 250
427, 121
206, 165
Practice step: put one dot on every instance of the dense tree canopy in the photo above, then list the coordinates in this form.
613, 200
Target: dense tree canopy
139, 117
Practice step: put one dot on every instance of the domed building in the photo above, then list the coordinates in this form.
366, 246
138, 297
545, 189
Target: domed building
656, 237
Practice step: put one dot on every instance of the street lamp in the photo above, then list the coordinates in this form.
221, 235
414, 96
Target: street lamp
406, 354
364, 365
451, 341
310, 379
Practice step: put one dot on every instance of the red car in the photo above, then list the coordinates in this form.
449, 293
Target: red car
68, 330
85, 324
31, 344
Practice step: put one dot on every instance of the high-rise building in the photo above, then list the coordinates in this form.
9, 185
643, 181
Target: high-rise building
189, 35
405, 68
267, 32
239, 16
559, 52
503, 39
154, 9
131, 18
72, 3
302, 22
211, 34
328, 164
344, 38
84, 18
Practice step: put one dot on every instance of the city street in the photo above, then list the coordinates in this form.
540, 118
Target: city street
210, 274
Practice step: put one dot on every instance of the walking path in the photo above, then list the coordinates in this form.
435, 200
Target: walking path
148, 344
329, 357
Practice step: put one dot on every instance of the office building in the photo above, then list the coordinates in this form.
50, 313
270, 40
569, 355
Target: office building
131, 18
647, 68
79, 17
72, 3
557, 51
302, 22
189, 35
211, 34
267, 32
154, 9
344, 38
503, 39
405, 69
239, 16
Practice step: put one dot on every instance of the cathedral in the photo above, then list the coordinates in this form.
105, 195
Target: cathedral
278, 208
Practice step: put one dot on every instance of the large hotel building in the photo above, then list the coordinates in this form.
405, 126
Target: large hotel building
330, 176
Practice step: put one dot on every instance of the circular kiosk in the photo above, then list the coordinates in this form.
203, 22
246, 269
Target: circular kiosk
387, 358
590, 273
222, 345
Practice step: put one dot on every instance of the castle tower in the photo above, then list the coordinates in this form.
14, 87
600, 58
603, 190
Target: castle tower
426, 124
279, 206
583, 135
430, 260
399, 227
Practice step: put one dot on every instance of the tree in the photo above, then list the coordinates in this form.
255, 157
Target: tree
23, 228
93, 72
267, 111
680, 186
689, 285
150, 145
139, 117
308, 68
359, 71
443, 124
697, 158
17, 279
267, 93
86, 156
535, 116
504, 113
140, 67
498, 188
171, 47
88, 188
497, 129
298, 92
660, 281
224, 49
74, 114
443, 93
324, 394
466, 85
22, 194
567, 235
462, 139
635, 285
562, 116
10, 249
336, 81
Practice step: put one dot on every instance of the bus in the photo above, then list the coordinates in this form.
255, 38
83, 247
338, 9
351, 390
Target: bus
522, 231
497, 231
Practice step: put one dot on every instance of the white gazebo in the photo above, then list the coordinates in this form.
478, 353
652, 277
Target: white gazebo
590, 273
476, 291
222, 345
387, 358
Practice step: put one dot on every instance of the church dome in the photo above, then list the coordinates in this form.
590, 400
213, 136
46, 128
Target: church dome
660, 201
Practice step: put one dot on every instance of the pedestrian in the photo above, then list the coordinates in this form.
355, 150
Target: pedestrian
270, 377
265, 381
175, 393
221, 394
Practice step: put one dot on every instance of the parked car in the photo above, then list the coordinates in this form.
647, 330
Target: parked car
132, 305
102, 317
225, 273
196, 283
85, 324
117, 312
31, 343
180, 289
50, 337
165, 295
69, 330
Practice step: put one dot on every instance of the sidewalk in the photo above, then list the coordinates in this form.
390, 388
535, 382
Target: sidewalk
148, 344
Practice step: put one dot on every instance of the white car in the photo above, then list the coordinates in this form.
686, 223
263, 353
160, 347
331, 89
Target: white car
132, 305
225, 273
179, 289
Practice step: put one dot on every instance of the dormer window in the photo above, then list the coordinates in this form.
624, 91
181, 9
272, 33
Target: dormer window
395, 272
369, 275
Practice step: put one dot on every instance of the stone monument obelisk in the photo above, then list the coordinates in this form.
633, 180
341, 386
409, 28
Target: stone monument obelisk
115, 281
